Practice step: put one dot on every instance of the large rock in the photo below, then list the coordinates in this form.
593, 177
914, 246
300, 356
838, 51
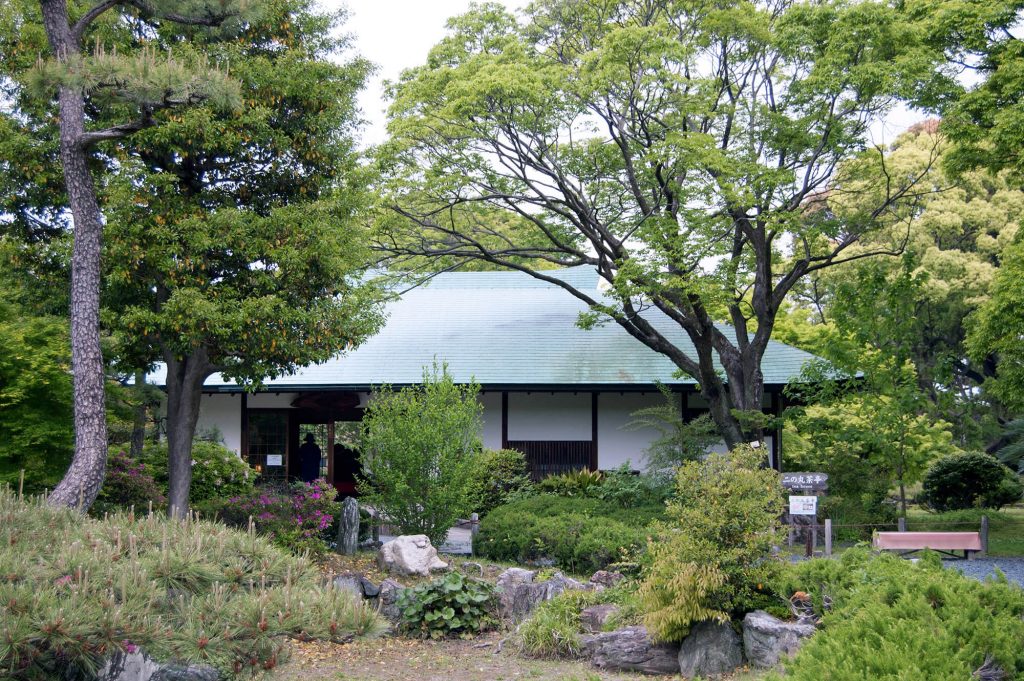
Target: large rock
606, 578
348, 527
592, 618
410, 554
138, 666
387, 600
519, 593
711, 650
767, 639
631, 649
351, 582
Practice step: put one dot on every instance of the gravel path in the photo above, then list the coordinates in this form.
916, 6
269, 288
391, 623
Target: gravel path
979, 568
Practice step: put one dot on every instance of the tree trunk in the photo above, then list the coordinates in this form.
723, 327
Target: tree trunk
84, 477
185, 377
139, 420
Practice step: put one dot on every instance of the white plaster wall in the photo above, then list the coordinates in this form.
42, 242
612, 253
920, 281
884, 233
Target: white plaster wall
271, 400
223, 412
549, 416
491, 432
695, 401
616, 444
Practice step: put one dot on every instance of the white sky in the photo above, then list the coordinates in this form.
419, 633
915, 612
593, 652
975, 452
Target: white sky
398, 34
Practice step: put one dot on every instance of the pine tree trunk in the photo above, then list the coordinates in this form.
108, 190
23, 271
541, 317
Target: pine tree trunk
84, 477
185, 377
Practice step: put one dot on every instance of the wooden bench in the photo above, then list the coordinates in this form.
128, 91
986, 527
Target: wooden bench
943, 542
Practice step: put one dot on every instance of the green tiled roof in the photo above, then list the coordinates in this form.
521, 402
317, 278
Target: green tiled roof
507, 329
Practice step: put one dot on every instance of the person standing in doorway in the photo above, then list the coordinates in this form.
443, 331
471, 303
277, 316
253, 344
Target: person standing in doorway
309, 459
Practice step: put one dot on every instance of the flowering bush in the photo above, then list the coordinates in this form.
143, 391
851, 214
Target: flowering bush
217, 472
127, 483
298, 518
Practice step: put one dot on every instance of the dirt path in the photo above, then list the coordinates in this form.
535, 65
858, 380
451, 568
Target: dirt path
398, 659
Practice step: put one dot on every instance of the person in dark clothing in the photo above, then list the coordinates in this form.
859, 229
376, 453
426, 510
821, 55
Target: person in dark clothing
309, 459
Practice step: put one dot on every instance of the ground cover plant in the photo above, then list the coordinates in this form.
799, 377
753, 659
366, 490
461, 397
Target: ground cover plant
75, 590
893, 619
452, 605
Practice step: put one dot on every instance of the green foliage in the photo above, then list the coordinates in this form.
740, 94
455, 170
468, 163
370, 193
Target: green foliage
970, 480
997, 327
453, 605
892, 619
76, 589
302, 518
712, 559
502, 476
217, 472
420, 448
677, 440
872, 431
651, 178
1011, 451
127, 484
580, 534
628, 489
578, 483
36, 433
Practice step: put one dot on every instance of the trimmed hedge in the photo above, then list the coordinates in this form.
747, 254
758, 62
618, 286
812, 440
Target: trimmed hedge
579, 534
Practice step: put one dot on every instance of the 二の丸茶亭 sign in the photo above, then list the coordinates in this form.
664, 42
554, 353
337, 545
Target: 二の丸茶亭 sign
275, 460
803, 505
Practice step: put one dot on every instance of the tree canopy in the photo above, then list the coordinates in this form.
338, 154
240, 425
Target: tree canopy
680, 149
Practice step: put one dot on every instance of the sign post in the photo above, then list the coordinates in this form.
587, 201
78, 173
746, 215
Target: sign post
804, 490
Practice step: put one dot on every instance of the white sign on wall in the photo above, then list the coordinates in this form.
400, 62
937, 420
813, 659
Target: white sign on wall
275, 460
799, 505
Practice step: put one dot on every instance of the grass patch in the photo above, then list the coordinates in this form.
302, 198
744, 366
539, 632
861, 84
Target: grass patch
75, 590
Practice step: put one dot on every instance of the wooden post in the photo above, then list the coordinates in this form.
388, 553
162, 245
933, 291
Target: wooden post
984, 535
828, 537
474, 527
901, 524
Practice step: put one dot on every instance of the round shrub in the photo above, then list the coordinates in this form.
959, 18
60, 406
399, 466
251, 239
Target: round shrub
579, 534
127, 483
969, 480
217, 472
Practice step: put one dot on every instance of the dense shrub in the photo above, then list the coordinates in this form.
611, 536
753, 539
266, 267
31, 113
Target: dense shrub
625, 488
217, 472
299, 518
969, 480
712, 558
453, 605
580, 535
74, 590
503, 476
128, 483
420, 450
892, 619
